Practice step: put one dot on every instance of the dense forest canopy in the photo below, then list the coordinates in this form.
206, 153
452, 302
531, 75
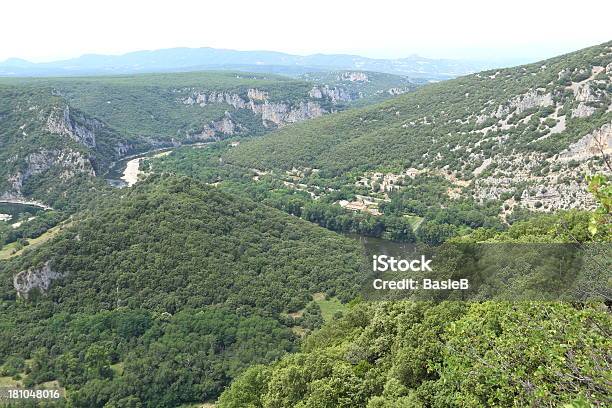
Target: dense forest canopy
438, 124
170, 265
450, 354
455, 354
211, 279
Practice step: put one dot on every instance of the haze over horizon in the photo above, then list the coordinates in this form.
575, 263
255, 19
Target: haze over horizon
389, 30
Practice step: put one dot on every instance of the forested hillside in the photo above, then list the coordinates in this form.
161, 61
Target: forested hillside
523, 135
62, 128
213, 266
452, 354
180, 285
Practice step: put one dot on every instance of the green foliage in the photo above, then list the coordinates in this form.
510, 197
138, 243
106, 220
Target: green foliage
563, 227
446, 355
33, 228
432, 127
183, 283
601, 188
12, 366
101, 119
184, 286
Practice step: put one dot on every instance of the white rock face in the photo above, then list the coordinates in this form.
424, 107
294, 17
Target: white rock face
275, 113
593, 144
526, 101
583, 92
82, 131
334, 94
224, 126
582, 110
354, 77
5, 217
519, 103
70, 162
257, 95
26, 281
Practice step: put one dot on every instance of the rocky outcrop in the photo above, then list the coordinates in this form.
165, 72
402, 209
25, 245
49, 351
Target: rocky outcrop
80, 129
353, 77
583, 92
517, 105
272, 113
595, 143
582, 110
203, 99
35, 279
70, 162
531, 99
335, 94
257, 95
224, 126
281, 114
122, 149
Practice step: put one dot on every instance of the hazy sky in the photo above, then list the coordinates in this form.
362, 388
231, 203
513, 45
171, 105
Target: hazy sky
518, 29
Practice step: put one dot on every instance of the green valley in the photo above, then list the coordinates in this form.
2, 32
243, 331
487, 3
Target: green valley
233, 269
76, 126
172, 274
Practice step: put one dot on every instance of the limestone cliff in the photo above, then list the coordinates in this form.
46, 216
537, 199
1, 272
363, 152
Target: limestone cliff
272, 113
35, 279
70, 163
79, 128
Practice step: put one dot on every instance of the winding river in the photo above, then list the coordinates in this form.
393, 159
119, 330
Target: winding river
11, 209
125, 172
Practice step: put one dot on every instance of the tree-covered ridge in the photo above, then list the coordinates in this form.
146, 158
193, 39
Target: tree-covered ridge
80, 125
179, 283
421, 211
500, 132
365, 87
61, 127
173, 242
453, 354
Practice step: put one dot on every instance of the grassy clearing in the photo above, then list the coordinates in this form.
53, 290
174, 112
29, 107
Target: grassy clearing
329, 307
414, 220
9, 250
9, 382
117, 368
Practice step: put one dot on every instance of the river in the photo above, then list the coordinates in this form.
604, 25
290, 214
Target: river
21, 203
380, 246
125, 172
11, 210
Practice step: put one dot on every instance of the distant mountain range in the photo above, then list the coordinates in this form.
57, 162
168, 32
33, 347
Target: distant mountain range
193, 59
